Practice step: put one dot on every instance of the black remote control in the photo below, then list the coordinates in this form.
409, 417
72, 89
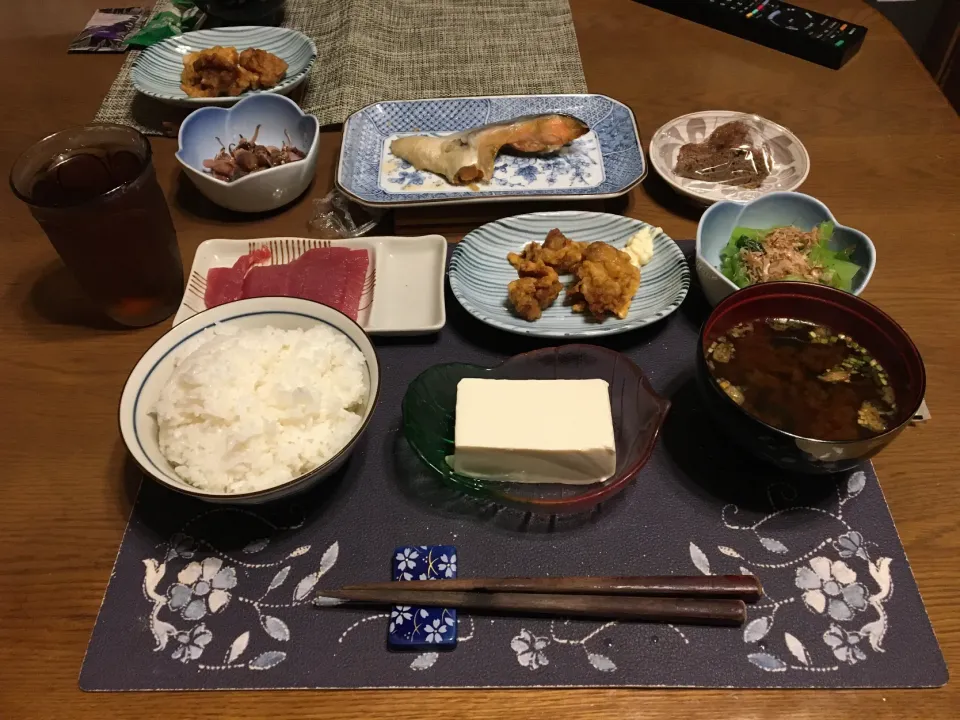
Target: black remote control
809, 35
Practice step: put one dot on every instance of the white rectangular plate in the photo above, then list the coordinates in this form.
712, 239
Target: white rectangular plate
402, 293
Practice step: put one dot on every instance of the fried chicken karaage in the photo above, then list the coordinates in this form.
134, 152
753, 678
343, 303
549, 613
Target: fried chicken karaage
535, 290
606, 281
558, 251
217, 71
268, 68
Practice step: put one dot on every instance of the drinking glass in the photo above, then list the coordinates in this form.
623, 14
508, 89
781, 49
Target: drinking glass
94, 192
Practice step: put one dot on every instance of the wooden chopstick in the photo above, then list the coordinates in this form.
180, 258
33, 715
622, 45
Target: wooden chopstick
693, 611
733, 587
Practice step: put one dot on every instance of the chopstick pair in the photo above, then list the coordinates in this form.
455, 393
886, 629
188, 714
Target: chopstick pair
700, 600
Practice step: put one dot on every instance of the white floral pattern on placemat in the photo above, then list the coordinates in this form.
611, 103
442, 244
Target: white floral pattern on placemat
192, 583
840, 584
847, 609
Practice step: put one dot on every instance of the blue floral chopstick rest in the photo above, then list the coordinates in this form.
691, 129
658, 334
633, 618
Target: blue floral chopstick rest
419, 627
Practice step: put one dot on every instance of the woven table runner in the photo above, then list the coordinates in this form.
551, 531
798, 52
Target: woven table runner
372, 50
206, 597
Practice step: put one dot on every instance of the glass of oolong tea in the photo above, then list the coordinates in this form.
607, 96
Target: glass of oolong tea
94, 192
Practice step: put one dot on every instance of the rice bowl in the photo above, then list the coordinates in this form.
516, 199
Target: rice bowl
251, 409
252, 400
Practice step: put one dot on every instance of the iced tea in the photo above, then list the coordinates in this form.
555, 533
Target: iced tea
94, 192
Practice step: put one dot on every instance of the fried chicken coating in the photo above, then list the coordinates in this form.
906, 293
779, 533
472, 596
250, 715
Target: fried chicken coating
561, 253
209, 72
535, 290
267, 67
217, 71
558, 251
606, 279
606, 282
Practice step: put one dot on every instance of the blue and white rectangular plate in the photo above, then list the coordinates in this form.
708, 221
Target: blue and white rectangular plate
606, 162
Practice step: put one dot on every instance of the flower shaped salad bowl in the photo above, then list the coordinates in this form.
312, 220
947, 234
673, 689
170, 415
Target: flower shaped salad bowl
768, 211
429, 415
207, 131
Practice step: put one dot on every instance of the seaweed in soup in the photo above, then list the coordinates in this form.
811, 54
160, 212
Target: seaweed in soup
803, 378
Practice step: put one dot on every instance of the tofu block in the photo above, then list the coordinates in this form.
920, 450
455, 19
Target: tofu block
534, 431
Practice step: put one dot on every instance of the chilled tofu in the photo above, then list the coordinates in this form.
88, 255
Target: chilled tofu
534, 431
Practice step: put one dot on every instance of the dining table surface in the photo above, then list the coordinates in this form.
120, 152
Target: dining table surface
885, 151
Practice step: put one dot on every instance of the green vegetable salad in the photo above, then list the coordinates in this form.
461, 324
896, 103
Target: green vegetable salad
826, 266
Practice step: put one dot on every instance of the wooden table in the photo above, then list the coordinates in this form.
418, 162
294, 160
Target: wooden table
885, 148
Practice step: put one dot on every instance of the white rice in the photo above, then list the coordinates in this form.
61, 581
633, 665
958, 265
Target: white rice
250, 409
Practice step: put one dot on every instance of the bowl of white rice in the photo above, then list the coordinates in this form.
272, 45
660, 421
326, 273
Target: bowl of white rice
251, 401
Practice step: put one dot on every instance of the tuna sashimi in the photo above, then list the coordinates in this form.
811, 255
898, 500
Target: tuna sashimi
356, 275
319, 275
226, 284
267, 281
333, 276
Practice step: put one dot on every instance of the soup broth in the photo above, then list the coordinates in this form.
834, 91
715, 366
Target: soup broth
803, 378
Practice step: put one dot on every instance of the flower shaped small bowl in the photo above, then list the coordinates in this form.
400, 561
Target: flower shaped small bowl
138, 424
202, 131
429, 409
778, 208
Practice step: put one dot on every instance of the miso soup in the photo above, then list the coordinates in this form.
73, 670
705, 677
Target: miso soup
803, 378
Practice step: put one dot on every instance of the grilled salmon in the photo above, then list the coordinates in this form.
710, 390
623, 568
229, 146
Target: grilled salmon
468, 156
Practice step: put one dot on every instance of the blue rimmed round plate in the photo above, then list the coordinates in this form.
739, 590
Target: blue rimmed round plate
157, 71
479, 274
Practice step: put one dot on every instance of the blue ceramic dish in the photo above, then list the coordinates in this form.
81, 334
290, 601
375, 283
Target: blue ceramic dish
606, 162
157, 71
479, 274
264, 189
777, 208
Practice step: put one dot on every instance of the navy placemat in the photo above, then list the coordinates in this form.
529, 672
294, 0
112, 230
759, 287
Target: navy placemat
207, 597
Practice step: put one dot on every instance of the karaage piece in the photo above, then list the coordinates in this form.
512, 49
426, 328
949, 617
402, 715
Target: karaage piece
561, 253
535, 290
533, 252
606, 282
558, 251
217, 71
210, 72
267, 67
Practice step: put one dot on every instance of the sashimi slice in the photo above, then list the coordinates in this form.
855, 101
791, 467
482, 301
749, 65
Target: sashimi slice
319, 275
326, 254
334, 276
223, 285
226, 284
267, 281
356, 274
254, 257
